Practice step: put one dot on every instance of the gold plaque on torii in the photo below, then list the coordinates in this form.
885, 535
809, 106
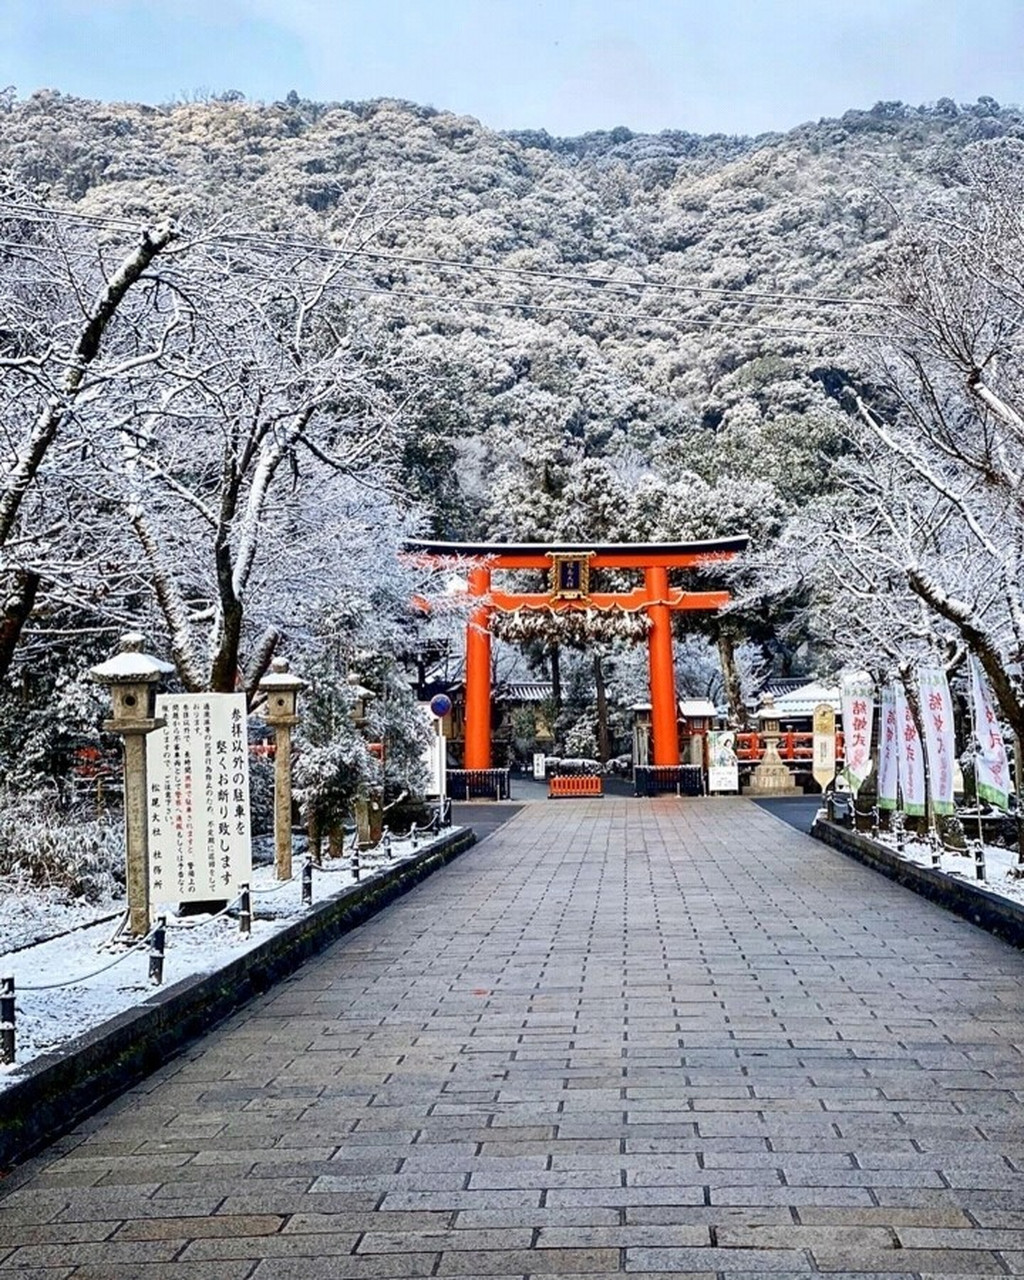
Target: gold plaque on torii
570, 575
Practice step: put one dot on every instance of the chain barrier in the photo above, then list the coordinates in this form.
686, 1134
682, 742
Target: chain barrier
274, 888
28, 940
155, 941
84, 977
933, 840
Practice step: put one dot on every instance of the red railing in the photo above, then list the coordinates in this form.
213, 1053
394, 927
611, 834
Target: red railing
578, 784
793, 747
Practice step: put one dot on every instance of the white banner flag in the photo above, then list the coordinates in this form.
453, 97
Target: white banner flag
991, 767
911, 758
889, 751
857, 692
937, 715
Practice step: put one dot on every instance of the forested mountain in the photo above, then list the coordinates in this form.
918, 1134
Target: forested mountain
349, 321
655, 302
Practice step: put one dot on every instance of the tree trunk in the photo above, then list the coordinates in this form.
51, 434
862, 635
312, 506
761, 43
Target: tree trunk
604, 750
1005, 687
731, 678
556, 677
910, 689
19, 606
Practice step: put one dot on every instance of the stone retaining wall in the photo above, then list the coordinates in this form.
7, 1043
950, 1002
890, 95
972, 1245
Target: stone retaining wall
55, 1092
974, 902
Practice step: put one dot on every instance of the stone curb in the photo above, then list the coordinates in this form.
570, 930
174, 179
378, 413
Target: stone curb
60, 1089
973, 902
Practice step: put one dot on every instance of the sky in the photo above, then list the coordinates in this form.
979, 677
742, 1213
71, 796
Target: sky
568, 66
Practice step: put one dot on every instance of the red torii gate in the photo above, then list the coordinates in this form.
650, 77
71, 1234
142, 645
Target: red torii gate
569, 589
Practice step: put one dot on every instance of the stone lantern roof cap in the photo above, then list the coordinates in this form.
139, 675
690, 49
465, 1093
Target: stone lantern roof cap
131, 664
282, 680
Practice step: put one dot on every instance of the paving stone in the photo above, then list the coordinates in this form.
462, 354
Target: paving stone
887, 1215
334, 1267
381, 1240
194, 1228
325, 1244
682, 1261
560, 1262
934, 1261
125, 1254
157, 1271
776, 1236
54, 1232
622, 1237
669, 1036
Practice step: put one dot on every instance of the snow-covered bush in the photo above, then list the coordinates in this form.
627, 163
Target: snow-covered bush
82, 857
580, 738
261, 796
328, 776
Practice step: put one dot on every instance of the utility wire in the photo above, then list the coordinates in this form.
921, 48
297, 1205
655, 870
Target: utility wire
614, 317
280, 244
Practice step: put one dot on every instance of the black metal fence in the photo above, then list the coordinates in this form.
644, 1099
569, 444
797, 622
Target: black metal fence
673, 779
479, 784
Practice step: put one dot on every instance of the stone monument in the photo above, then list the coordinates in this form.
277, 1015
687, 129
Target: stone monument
771, 777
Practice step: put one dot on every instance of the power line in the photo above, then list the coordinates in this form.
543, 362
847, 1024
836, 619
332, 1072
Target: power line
278, 244
622, 286
616, 317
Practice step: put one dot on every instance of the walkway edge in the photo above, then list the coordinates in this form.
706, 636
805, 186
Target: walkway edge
60, 1089
989, 911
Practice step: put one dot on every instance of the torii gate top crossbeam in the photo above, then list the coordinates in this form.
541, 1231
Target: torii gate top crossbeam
609, 555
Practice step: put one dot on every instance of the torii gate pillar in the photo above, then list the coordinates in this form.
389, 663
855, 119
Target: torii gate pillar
664, 725
478, 676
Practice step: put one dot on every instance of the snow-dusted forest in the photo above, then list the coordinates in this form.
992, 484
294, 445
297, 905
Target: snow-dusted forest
246, 349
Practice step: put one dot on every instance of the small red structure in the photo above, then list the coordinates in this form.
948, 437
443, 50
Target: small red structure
579, 784
569, 566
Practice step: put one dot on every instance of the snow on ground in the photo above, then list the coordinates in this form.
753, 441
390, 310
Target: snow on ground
1003, 874
79, 976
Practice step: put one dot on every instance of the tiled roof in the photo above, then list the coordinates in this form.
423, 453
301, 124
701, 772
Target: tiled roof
523, 691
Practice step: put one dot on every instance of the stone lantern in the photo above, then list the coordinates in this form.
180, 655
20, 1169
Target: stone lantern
771, 777
360, 697
282, 689
641, 733
132, 677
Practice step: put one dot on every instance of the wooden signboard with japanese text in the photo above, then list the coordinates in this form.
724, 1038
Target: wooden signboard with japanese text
723, 765
200, 846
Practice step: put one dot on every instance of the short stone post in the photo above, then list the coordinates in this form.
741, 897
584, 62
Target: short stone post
157, 946
7, 1020
282, 689
245, 910
132, 677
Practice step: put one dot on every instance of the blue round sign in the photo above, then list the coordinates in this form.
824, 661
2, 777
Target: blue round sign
440, 704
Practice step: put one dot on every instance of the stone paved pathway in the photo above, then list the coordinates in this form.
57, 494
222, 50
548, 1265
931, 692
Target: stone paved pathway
618, 1036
